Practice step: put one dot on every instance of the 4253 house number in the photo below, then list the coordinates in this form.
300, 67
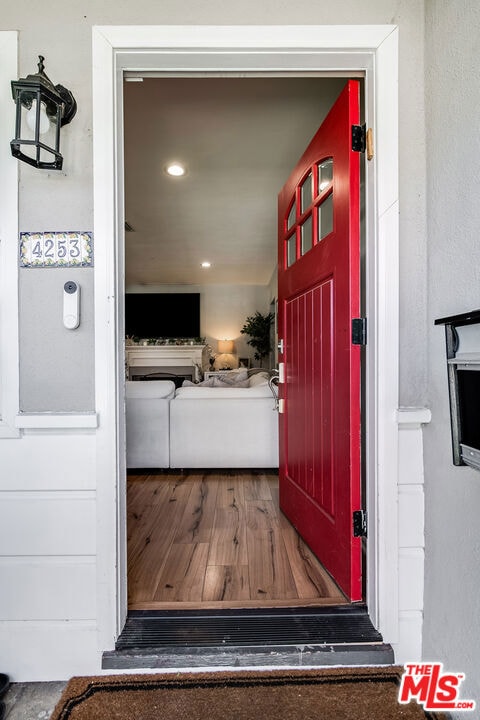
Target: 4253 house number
56, 249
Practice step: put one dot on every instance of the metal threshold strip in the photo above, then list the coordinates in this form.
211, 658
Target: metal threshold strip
341, 634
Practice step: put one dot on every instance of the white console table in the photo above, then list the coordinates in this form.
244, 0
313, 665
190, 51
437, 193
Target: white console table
177, 358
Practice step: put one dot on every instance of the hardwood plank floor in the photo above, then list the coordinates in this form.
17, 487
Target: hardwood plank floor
214, 539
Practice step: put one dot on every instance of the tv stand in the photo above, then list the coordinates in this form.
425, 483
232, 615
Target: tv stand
176, 359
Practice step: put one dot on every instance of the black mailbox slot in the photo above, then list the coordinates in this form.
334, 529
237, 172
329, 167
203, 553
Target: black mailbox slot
464, 390
468, 394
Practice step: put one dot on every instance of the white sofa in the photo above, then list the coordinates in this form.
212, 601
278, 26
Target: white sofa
223, 428
148, 423
201, 427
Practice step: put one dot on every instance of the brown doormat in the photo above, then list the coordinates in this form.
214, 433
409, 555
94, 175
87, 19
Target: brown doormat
326, 694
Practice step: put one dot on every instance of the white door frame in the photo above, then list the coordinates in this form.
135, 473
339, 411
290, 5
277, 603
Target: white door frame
370, 51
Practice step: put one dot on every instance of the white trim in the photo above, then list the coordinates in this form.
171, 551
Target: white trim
237, 38
386, 366
48, 496
109, 616
413, 416
46, 560
371, 50
56, 420
9, 388
411, 531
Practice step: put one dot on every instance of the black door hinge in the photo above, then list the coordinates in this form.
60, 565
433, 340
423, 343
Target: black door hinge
359, 331
359, 523
359, 133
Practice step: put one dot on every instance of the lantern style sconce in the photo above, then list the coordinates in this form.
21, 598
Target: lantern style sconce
42, 109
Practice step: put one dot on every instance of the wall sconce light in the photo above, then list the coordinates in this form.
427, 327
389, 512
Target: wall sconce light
42, 109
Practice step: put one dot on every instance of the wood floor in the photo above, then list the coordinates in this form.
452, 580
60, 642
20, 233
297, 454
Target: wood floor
217, 539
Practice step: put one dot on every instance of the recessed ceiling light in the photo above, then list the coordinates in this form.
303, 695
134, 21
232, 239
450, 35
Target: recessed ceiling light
206, 264
175, 169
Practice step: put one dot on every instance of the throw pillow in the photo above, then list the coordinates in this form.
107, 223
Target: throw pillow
232, 379
259, 378
205, 383
220, 382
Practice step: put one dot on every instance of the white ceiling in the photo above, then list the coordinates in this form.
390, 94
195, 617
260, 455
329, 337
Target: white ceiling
239, 138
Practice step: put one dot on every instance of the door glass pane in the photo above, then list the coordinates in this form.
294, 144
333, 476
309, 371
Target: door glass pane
325, 217
306, 193
291, 216
325, 175
291, 250
306, 235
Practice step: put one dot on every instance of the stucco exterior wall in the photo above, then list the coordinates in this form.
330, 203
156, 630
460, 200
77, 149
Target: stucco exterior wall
64, 201
452, 579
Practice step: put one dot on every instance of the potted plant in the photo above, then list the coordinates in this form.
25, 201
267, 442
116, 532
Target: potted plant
258, 327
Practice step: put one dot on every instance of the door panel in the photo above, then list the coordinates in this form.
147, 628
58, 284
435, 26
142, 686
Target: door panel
318, 297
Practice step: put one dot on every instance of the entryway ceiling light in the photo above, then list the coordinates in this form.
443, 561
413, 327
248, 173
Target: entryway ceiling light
175, 169
206, 264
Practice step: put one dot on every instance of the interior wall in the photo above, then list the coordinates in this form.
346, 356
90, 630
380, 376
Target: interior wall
223, 310
452, 494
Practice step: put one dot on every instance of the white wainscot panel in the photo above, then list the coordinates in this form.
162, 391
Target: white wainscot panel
411, 513
409, 646
410, 570
42, 651
411, 536
47, 460
410, 444
47, 588
47, 523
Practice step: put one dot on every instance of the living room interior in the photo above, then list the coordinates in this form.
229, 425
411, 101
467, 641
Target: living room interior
203, 509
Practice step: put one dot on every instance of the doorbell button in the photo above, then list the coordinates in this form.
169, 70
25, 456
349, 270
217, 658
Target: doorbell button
70, 287
71, 305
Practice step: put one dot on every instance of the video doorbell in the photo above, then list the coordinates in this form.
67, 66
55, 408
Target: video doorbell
71, 305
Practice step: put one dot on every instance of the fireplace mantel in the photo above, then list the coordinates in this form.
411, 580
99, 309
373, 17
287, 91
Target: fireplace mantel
179, 358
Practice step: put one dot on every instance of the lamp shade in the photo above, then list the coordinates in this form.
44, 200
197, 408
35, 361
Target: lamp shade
225, 346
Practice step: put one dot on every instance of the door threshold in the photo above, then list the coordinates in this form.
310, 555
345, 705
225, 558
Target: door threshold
238, 605
339, 635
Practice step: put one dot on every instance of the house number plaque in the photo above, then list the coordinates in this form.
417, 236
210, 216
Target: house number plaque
56, 249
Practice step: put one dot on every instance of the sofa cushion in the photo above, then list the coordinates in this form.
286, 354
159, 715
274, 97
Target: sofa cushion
230, 433
220, 393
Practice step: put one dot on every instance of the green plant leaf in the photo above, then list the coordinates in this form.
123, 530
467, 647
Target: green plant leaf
257, 326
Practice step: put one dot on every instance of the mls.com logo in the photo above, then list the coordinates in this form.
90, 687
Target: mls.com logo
431, 687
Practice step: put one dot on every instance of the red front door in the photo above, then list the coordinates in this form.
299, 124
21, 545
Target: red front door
318, 295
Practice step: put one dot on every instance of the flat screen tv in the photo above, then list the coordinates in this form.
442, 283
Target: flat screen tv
162, 315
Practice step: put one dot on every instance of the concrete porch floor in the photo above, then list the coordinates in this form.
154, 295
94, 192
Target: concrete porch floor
32, 701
